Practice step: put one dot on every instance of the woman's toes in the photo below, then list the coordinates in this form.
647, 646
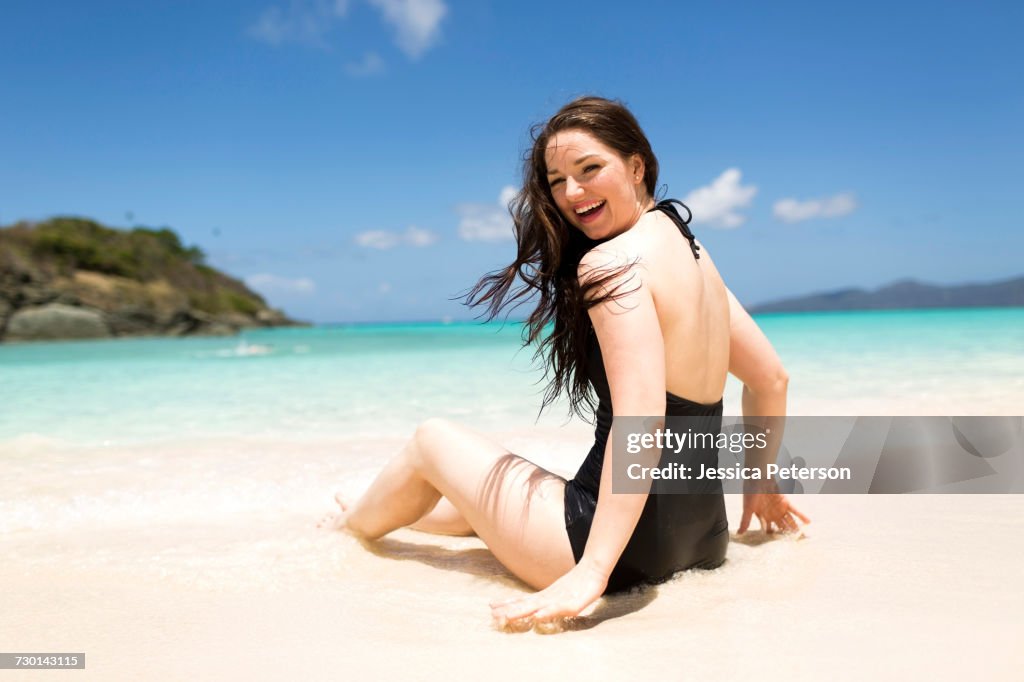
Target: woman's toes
332, 522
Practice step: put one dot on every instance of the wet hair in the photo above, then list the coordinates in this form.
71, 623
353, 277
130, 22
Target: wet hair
550, 250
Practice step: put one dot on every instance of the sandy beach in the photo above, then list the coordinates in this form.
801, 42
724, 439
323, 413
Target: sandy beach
196, 583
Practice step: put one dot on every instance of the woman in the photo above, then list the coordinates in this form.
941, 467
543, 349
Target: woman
640, 315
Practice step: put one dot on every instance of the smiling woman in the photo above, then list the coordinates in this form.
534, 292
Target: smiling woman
593, 185
640, 317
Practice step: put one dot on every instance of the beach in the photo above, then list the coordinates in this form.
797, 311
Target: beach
161, 499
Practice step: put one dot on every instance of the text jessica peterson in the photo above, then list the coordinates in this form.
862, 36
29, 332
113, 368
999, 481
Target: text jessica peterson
676, 441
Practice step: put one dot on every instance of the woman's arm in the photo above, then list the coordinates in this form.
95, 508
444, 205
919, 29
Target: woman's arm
633, 350
753, 361
634, 360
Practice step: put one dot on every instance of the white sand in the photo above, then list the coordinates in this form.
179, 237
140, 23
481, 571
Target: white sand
210, 567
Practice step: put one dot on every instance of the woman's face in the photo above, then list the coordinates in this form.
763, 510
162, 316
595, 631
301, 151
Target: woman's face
596, 190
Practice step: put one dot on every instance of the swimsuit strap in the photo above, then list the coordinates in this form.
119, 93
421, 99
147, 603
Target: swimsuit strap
666, 207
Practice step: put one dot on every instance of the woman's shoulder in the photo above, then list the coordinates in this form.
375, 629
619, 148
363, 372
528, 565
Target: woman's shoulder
636, 245
621, 263
615, 255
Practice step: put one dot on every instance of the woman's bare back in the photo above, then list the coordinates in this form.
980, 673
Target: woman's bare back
691, 302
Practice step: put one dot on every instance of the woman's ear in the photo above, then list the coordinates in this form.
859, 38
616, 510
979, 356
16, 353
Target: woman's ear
638, 168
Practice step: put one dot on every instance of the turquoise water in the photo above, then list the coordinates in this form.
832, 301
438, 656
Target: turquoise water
368, 381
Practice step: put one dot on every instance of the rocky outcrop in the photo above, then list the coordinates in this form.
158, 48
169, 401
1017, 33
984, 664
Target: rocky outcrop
5, 311
56, 321
89, 305
71, 278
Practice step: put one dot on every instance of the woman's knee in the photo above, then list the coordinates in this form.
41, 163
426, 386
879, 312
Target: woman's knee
430, 438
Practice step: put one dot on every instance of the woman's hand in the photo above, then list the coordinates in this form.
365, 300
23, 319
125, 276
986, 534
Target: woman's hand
567, 597
771, 509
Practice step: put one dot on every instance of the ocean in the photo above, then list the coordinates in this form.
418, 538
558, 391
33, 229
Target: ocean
374, 380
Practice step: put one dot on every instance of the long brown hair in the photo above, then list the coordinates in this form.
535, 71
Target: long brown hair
550, 250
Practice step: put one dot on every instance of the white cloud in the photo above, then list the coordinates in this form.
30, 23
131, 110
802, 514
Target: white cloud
377, 239
417, 22
274, 284
719, 202
305, 22
487, 222
793, 211
370, 65
508, 193
417, 26
416, 236
386, 239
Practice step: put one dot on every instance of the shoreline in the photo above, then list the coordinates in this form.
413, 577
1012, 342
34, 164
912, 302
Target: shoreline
447, 322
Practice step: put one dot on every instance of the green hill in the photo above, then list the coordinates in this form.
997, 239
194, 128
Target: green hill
75, 278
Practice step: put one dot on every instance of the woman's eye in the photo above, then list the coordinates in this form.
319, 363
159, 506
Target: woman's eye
591, 167
555, 182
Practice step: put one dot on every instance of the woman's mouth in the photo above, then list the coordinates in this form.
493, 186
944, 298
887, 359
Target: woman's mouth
589, 212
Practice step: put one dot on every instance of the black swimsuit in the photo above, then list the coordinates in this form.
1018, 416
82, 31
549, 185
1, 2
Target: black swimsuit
675, 531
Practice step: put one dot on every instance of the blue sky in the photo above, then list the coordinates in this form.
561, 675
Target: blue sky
347, 159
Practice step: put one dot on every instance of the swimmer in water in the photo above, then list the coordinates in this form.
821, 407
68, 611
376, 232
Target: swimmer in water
641, 320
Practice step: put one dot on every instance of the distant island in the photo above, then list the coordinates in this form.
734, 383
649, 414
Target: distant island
73, 278
905, 294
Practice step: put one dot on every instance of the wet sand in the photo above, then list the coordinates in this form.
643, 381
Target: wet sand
205, 575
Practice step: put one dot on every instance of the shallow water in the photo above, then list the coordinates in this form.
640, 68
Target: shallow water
373, 381
182, 430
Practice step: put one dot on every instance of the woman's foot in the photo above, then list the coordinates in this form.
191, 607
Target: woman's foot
336, 520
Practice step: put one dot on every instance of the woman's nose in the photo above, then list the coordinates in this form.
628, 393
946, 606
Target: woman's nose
573, 188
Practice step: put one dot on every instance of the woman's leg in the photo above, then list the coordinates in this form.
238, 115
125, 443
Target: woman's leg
514, 506
443, 519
